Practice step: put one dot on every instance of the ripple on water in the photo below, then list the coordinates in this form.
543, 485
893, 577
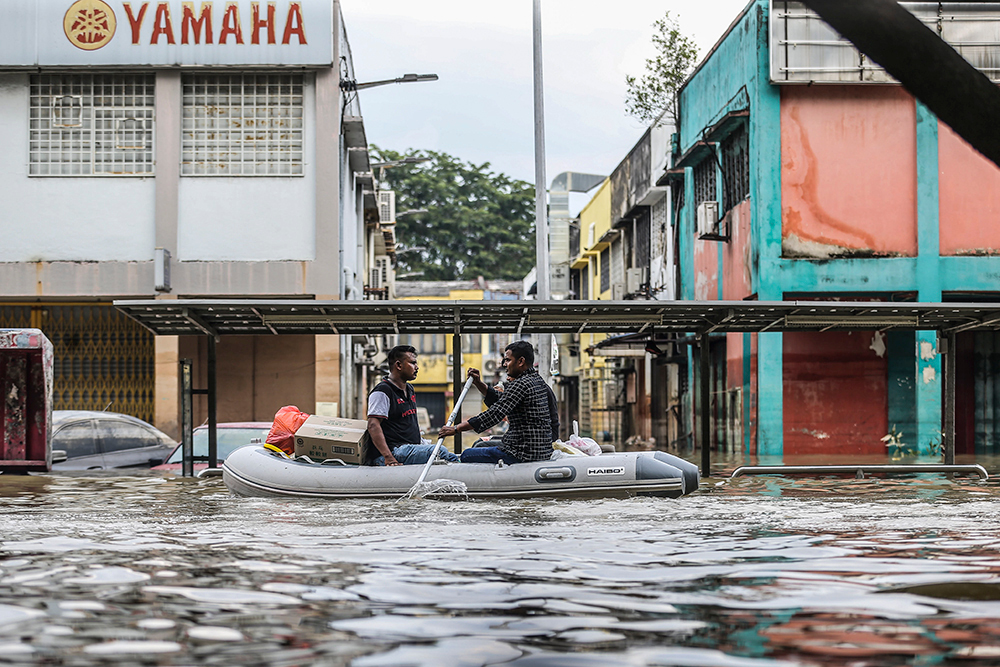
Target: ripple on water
748, 574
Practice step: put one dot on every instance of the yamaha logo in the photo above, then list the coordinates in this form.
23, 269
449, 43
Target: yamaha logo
600, 472
89, 24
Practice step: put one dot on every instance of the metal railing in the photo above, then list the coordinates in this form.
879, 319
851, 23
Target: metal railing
860, 470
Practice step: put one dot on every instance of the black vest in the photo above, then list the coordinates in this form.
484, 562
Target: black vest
400, 427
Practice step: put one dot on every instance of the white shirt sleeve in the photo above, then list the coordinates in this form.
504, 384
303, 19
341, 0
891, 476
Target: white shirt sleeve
378, 405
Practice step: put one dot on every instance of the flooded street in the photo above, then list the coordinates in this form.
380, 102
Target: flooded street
756, 571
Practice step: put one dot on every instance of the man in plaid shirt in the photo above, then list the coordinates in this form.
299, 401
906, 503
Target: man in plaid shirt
525, 404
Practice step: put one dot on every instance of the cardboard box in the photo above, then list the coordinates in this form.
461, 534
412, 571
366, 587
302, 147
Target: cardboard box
322, 438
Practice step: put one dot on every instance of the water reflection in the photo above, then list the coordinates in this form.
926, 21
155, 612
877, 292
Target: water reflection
756, 571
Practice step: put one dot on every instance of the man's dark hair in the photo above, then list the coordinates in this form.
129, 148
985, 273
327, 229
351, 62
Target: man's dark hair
398, 353
522, 349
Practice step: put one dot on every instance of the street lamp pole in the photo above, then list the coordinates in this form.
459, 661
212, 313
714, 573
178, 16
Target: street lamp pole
541, 212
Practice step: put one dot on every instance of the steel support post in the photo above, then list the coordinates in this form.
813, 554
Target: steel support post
187, 437
457, 380
704, 407
213, 442
950, 366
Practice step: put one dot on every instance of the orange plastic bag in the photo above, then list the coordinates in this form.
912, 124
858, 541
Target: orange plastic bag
287, 421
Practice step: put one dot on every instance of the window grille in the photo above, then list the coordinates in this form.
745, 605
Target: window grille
704, 181
606, 269
242, 125
642, 239
91, 125
735, 168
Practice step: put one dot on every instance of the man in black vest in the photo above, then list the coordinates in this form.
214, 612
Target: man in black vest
392, 415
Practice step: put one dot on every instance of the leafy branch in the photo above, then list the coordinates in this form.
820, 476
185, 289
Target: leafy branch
653, 98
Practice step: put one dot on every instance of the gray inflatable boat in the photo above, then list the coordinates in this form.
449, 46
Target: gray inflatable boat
256, 471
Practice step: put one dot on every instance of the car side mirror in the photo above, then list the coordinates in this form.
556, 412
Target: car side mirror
59, 455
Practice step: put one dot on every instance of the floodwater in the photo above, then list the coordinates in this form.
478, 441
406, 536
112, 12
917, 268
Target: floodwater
145, 569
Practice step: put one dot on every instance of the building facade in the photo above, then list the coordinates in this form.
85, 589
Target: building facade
797, 170
181, 150
804, 172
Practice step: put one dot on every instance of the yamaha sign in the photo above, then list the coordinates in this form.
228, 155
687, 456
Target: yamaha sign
47, 33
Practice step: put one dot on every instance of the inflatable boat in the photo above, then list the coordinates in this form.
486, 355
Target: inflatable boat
256, 471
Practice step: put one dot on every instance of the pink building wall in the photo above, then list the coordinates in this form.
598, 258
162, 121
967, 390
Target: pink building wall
969, 198
848, 171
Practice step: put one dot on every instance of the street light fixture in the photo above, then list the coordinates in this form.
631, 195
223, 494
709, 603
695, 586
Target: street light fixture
349, 85
412, 211
416, 248
396, 163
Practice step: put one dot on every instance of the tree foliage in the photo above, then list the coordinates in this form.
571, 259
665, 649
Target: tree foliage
654, 96
477, 223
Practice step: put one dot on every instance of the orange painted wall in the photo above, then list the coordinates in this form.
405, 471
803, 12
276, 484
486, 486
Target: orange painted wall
835, 393
969, 198
848, 170
736, 281
706, 270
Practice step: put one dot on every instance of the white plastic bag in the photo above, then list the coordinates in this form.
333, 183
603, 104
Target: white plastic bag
585, 445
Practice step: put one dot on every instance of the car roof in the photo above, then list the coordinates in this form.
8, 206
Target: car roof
61, 416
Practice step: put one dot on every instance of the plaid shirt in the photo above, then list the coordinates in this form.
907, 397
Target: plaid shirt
525, 404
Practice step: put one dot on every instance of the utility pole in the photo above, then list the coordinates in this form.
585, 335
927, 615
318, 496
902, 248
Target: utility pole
541, 210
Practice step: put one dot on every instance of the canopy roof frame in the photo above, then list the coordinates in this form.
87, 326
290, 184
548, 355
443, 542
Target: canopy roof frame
229, 317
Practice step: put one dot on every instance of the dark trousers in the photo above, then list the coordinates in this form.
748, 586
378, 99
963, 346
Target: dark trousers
488, 455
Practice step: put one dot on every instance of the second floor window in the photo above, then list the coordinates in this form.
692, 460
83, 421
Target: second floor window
91, 125
242, 125
606, 269
704, 181
735, 168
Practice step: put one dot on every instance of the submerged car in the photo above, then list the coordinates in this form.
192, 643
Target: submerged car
91, 440
230, 437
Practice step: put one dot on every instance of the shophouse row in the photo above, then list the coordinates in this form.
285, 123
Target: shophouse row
797, 169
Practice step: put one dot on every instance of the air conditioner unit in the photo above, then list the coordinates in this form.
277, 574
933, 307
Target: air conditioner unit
383, 265
617, 291
387, 207
375, 279
634, 280
707, 224
490, 366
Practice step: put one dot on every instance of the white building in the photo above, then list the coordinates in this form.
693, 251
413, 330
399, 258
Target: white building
181, 150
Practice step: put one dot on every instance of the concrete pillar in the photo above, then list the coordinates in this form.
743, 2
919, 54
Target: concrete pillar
166, 407
327, 381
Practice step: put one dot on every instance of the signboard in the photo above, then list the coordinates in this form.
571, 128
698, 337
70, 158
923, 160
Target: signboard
89, 33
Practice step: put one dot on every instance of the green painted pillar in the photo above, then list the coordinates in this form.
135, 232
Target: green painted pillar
927, 366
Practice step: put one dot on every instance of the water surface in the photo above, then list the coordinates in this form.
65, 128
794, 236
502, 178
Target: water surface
144, 569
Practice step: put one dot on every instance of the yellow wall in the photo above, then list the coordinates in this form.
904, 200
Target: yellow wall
433, 375
596, 212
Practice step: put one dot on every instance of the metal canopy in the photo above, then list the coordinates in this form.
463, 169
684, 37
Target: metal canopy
228, 317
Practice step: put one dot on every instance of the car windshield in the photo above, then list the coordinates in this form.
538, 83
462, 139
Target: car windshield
229, 440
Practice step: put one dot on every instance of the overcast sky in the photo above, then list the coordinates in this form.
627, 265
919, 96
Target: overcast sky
481, 108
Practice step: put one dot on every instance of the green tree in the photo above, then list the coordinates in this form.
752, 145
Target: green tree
653, 98
477, 223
